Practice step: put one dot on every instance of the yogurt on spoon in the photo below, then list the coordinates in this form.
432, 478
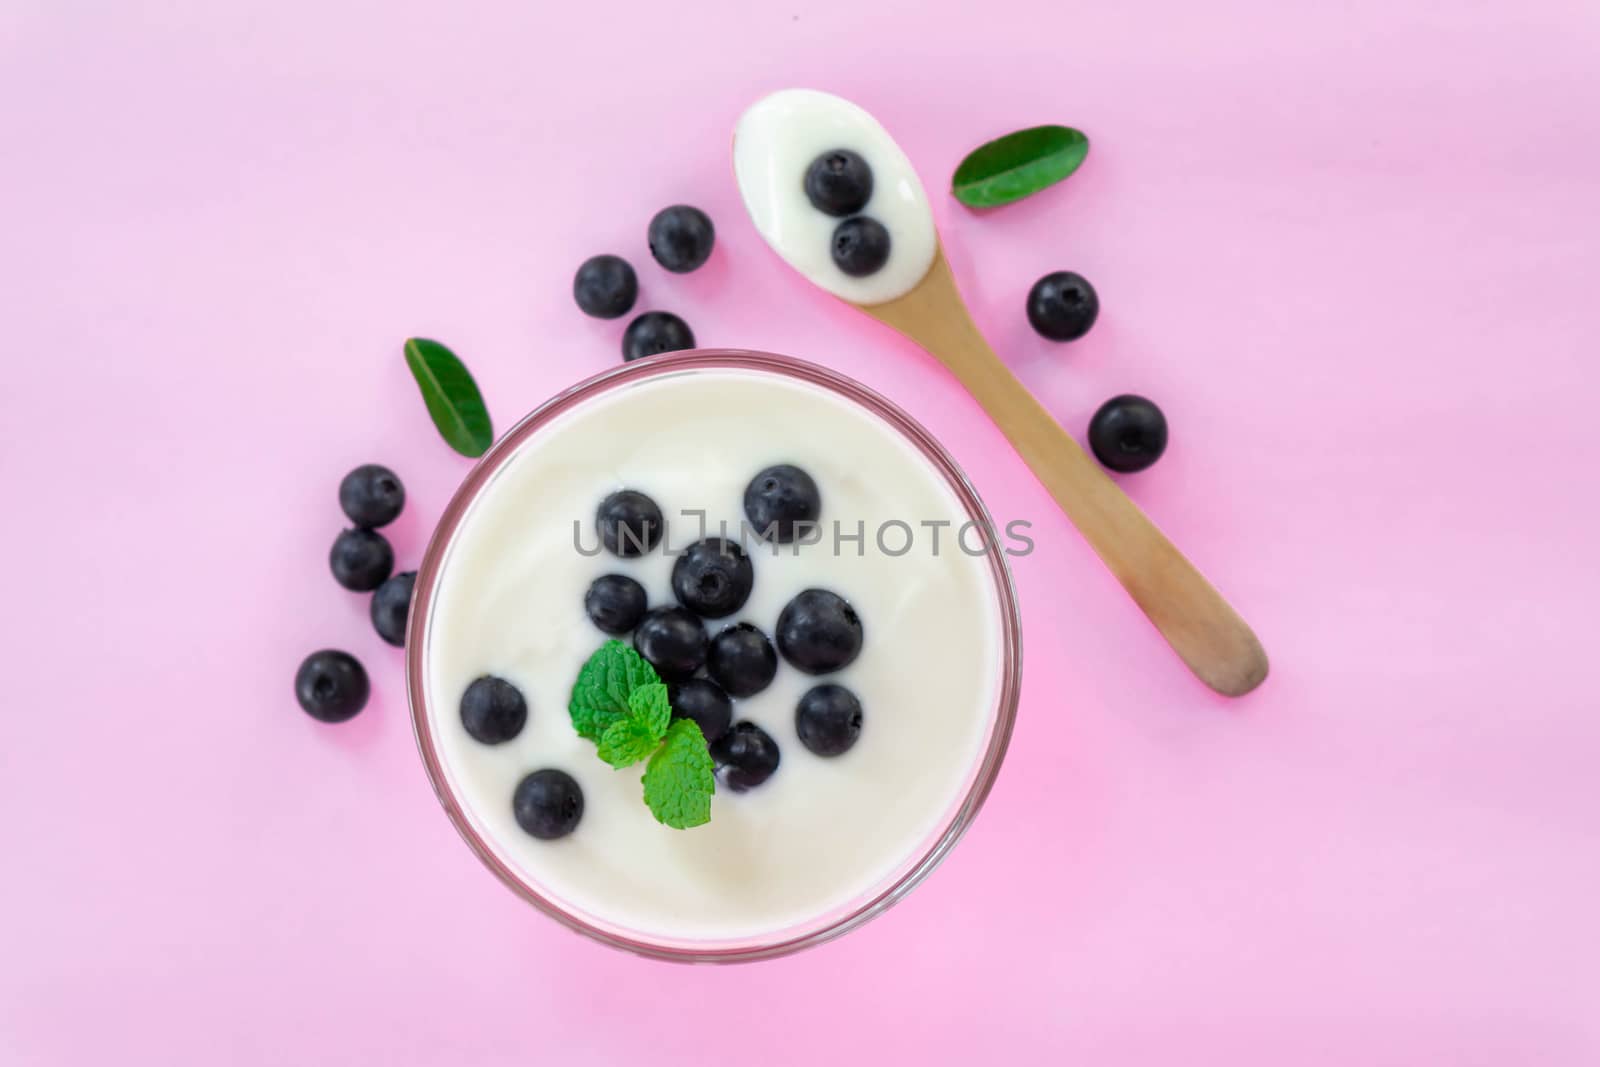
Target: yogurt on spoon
785, 146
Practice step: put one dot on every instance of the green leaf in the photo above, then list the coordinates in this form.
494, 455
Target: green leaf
600, 695
626, 742
451, 395
1018, 165
679, 779
648, 706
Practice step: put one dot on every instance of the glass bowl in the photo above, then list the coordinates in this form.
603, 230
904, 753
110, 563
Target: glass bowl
904, 876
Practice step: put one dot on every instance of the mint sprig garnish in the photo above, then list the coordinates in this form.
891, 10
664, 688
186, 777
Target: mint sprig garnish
620, 703
679, 780
631, 739
600, 695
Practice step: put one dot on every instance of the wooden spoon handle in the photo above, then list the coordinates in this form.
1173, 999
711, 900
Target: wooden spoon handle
1197, 622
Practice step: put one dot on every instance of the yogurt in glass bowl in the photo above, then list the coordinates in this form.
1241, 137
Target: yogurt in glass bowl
827, 841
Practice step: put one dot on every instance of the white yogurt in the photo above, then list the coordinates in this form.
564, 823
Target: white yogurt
820, 832
775, 142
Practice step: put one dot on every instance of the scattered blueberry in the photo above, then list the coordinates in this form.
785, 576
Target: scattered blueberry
548, 804
745, 756
372, 495
361, 560
703, 701
681, 238
629, 523
713, 578
779, 498
1128, 433
828, 719
673, 640
653, 333
615, 602
860, 246
839, 183
605, 287
819, 631
390, 606
1062, 306
493, 710
742, 660
331, 685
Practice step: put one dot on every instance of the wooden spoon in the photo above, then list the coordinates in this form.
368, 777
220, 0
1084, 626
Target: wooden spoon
1199, 625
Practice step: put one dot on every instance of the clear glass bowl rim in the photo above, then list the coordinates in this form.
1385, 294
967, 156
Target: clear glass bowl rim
959, 818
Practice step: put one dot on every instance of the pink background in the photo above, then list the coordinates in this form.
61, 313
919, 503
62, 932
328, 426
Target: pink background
1351, 248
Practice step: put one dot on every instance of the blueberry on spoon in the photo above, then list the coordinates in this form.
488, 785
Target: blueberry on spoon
1128, 433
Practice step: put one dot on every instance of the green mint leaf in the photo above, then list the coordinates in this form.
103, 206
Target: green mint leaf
648, 706
600, 695
626, 742
451, 396
678, 780
1018, 165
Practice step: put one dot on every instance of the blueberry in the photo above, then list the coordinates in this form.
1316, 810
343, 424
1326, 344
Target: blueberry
780, 498
828, 719
331, 685
703, 701
745, 756
742, 660
681, 238
1128, 433
629, 523
819, 631
673, 640
605, 287
390, 606
653, 333
713, 578
860, 246
548, 804
493, 710
361, 560
1062, 306
372, 495
839, 183
615, 602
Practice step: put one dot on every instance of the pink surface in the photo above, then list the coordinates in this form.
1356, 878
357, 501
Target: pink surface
1351, 248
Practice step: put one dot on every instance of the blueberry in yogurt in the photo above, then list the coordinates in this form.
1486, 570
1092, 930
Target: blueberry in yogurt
705, 702
629, 523
828, 719
779, 500
681, 238
493, 711
653, 333
673, 641
615, 603
361, 559
860, 246
605, 287
371, 495
839, 183
548, 804
745, 756
713, 578
819, 632
742, 660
